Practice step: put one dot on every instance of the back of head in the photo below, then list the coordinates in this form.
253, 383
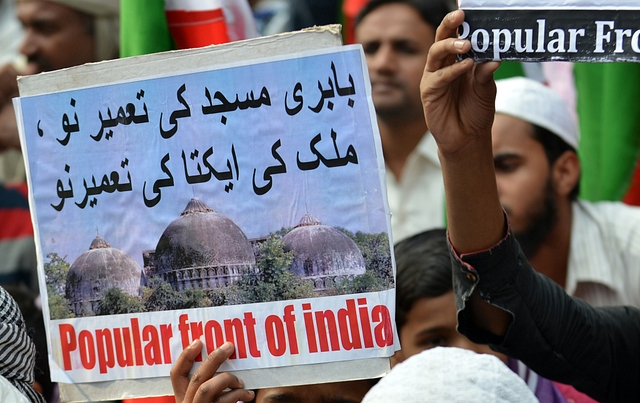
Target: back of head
423, 266
17, 351
431, 11
450, 375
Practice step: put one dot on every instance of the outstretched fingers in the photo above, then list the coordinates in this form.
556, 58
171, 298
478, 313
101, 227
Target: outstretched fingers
204, 387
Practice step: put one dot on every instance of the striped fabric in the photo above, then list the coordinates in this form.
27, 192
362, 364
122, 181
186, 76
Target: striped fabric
17, 351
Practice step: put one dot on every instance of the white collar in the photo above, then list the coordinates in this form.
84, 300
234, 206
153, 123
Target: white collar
428, 148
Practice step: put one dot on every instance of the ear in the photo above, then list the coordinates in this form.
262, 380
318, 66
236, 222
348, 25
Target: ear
566, 173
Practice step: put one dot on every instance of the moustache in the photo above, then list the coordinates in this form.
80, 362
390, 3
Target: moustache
42, 63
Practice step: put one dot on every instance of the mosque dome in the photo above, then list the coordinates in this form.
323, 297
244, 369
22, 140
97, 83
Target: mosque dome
320, 251
97, 270
202, 237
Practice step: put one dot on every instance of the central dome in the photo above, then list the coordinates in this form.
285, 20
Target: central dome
201, 237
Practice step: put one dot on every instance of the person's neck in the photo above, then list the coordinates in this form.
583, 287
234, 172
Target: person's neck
552, 257
399, 139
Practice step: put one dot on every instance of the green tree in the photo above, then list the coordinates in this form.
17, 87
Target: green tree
378, 275
56, 270
115, 301
192, 299
274, 281
158, 295
59, 307
377, 254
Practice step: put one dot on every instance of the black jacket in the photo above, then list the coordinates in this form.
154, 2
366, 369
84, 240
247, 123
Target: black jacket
596, 350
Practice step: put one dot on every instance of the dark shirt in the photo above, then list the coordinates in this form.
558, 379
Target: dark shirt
597, 350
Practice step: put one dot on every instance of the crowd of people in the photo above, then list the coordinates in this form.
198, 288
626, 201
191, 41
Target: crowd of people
529, 294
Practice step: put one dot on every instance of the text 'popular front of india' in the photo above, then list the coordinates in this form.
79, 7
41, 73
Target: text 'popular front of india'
240, 203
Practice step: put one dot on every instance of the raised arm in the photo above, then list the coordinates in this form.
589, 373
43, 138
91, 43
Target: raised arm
501, 300
458, 99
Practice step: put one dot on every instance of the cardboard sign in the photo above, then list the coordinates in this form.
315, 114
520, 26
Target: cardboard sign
239, 202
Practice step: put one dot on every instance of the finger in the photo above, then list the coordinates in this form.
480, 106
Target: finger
435, 83
180, 371
444, 53
484, 71
208, 368
449, 26
213, 390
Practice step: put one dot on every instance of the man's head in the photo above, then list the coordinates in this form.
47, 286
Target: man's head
534, 151
396, 36
338, 392
425, 303
66, 33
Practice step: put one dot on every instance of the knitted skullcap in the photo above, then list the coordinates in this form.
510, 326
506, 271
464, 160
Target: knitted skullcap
450, 375
537, 104
17, 351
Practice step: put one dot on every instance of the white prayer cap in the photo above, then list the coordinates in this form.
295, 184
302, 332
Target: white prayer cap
450, 375
98, 8
537, 104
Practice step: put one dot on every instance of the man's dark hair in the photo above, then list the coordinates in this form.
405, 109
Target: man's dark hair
423, 267
554, 147
431, 11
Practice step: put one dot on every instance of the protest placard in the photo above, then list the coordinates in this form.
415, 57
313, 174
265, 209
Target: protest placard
240, 200
552, 30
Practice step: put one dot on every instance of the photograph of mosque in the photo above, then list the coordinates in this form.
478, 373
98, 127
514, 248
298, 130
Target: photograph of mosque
204, 259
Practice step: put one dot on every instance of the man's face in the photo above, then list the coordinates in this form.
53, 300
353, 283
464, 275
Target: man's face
524, 181
56, 36
339, 392
432, 322
396, 41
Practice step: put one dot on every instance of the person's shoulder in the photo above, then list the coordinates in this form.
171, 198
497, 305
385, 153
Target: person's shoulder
617, 224
609, 211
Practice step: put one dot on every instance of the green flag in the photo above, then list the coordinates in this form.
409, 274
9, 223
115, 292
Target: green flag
143, 28
609, 114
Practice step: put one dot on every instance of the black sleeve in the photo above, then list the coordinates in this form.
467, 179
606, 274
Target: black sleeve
597, 350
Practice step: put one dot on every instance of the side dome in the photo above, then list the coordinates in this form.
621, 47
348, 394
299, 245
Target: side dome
322, 251
202, 237
97, 270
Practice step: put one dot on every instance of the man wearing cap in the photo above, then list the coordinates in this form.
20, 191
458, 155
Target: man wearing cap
58, 34
591, 249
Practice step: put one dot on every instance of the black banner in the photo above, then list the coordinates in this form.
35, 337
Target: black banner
543, 35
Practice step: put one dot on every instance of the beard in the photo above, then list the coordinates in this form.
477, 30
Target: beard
397, 104
541, 224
